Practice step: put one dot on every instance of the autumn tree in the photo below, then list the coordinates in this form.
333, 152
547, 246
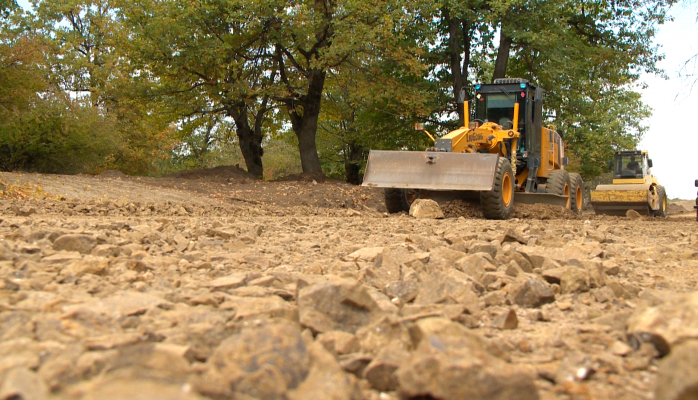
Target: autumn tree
208, 60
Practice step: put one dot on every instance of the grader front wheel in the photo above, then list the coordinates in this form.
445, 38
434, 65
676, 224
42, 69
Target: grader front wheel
397, 200
498, 203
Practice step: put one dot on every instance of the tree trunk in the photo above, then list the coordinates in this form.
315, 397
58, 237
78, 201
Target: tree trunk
250, 143
305, 124
459, 37
500, 66
353, 154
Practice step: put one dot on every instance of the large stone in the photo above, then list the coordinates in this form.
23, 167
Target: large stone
451, 287
443, 258
367, 254
531, 293
159, 361
512, 236
677, 378
451, 363
481, 247
380, 373
263, 362
119, 305
339, 342
596, 274
139, 389
250, 308
342, 305
666, 324
632, 215
23, 384
326, 379
426, 208
474, 265
228, 282
386, 331
506, 320
71, 242
385, 269
554, 275
406, 290
574, 280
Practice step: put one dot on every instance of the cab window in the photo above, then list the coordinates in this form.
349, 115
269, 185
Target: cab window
629, 167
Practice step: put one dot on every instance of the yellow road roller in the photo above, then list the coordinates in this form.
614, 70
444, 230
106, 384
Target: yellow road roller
633, 188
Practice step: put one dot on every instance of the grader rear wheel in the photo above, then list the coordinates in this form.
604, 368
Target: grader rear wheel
577, 193
498, 203
559, 184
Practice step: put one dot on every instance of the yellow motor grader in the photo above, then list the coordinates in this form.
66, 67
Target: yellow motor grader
633, 188
504, 155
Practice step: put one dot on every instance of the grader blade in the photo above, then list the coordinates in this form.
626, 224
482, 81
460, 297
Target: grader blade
430, 170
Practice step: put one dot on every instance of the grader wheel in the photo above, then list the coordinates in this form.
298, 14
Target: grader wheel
577, 193
397, 200
498, 203
559, 184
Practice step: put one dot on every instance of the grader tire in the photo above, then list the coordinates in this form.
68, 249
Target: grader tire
559, 184
498, 203
397, 200
576, 193
661, 212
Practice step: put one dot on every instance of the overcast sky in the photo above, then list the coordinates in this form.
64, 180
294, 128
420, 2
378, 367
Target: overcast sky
673, 127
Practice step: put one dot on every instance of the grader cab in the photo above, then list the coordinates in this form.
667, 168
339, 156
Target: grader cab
504, 155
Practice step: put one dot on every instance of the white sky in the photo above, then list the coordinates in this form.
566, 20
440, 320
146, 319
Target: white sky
673, 127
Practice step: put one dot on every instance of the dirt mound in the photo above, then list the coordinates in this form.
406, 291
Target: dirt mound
113, 173
543, 211
224, 173
319, 178
473, 209
674, 208
462, 208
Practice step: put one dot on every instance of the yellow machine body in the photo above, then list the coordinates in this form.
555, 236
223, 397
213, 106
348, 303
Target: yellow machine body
465, 159
630, 190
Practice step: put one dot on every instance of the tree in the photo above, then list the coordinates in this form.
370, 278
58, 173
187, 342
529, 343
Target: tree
81, 40
208, 64
41, 127
588, 57
315, 37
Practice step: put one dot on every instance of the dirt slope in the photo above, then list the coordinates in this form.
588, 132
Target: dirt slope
213, 285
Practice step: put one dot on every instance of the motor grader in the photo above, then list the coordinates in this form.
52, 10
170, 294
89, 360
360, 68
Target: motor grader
504, 155
633, 188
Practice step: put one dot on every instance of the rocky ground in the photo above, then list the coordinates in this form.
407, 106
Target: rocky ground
216, 286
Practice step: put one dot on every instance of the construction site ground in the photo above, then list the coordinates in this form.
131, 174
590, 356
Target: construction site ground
211, 284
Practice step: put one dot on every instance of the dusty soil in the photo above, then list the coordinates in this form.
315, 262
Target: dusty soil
210, 284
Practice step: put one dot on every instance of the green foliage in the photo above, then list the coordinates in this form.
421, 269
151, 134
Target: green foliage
157, 85
57, 136
281, 159
41, 128
589, 58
